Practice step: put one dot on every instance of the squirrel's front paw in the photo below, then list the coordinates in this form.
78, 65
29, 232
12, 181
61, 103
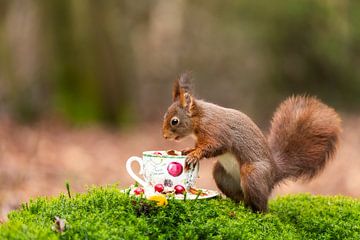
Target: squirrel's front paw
191, 162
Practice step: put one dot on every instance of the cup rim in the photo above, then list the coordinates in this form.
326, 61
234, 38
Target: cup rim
151, 154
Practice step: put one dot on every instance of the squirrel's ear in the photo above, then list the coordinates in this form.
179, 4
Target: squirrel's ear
187, 102
176, 90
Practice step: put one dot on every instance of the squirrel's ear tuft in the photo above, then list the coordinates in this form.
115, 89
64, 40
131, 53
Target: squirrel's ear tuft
187, 102
185, 81
182, 85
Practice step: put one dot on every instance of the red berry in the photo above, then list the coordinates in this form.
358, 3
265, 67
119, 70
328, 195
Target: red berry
157, 153
175, 169
179, 189
139, 191
159, 188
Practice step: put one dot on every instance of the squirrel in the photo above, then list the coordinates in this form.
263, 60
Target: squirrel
303, 137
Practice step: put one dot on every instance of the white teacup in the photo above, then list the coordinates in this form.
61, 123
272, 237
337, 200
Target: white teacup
158, 167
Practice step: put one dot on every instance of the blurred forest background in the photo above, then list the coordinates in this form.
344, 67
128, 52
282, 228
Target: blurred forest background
114, 61
69, 70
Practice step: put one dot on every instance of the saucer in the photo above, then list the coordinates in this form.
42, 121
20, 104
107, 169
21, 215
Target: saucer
191, 196
197, 193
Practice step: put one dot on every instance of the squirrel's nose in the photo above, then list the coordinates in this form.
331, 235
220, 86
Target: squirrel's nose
165, 136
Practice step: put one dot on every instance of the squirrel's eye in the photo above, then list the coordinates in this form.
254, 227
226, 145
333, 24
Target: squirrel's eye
174, 121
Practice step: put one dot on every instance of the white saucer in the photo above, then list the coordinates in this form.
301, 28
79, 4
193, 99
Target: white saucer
188, 196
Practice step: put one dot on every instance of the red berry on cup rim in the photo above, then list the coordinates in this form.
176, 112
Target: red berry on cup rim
159, 188
179, 189
157, 153
139, 191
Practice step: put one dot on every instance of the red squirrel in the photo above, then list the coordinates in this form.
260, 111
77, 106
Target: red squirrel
303, 137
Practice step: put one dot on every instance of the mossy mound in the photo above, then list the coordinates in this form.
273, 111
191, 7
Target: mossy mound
107, 213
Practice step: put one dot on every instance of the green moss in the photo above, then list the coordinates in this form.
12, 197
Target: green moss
106, 213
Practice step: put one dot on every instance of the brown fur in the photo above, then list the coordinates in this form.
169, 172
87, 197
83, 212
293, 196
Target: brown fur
303, 137
311, 130
246, 169
228, 183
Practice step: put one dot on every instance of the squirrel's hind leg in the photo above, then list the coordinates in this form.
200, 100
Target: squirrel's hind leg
228, 184
254, 182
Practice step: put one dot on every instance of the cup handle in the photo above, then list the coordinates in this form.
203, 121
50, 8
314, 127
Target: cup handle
131, 172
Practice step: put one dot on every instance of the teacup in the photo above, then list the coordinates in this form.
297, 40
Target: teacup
159, 167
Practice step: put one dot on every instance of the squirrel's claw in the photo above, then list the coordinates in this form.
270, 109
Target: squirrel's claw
187, 151
191, 162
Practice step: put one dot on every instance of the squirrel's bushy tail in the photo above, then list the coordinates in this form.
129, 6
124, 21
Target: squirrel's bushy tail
303, 137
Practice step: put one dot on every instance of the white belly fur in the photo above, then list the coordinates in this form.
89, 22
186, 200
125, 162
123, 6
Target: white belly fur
231, 165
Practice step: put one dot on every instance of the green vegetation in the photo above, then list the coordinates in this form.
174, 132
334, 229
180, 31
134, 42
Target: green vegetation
106, 213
